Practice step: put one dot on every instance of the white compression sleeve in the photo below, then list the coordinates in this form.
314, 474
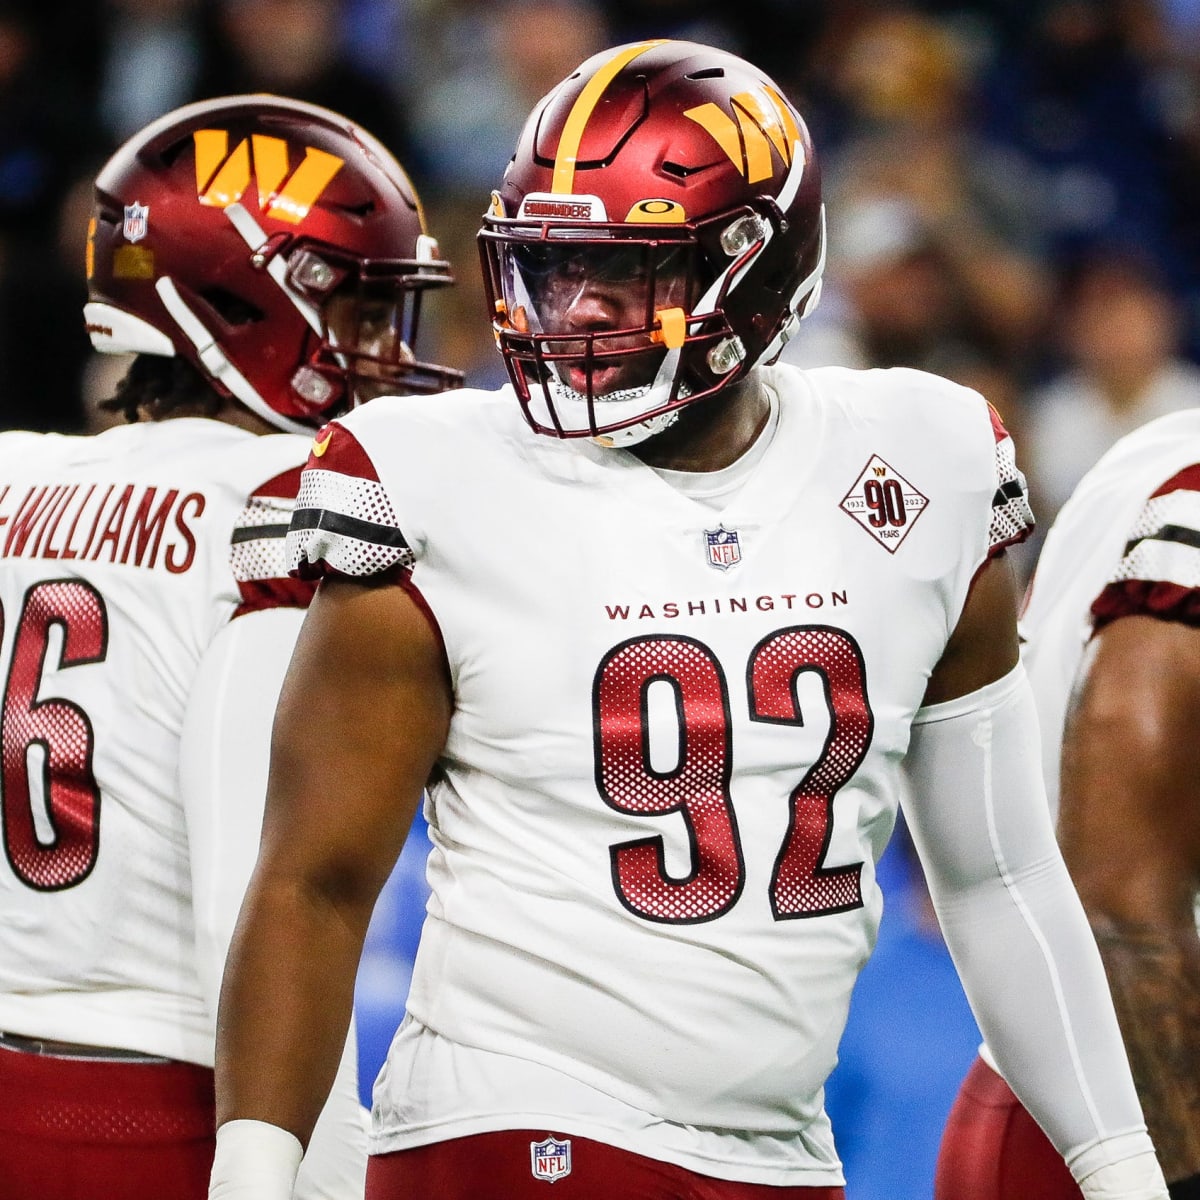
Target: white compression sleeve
224, 757
1014, 924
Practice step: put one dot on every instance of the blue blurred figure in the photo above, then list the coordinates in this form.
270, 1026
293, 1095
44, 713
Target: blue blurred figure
385, 970
910, 1038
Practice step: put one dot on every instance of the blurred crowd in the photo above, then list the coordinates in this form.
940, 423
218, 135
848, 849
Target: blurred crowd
1011, 183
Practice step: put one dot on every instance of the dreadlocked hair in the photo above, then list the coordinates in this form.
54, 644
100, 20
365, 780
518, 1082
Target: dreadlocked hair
155, 387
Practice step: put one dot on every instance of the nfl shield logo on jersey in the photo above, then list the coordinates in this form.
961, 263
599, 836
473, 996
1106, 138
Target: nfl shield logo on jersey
550, 1160
135, 221
724, 549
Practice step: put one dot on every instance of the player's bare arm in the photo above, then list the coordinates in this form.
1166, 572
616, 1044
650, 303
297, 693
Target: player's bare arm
1129, 825
362, 717
983, 647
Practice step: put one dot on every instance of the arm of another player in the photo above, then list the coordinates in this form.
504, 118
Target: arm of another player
363, 715
1129, 826
1010, 916
223, 781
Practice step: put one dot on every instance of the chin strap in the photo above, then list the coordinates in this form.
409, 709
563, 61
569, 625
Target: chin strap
631, 435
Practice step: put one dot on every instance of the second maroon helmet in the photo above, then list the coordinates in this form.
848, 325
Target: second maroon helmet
228, 231
682, 174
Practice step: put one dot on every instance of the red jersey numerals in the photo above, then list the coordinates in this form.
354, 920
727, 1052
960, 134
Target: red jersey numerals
697, 786
58, 733
800, 886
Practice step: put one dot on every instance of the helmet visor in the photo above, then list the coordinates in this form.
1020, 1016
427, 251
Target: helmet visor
595, 308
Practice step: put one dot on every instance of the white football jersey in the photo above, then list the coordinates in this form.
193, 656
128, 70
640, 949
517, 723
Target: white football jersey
673, 758
1127, 541
121, 557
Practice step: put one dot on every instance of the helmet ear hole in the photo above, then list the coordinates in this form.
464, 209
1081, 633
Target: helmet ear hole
776, 281
170, 153
233, 310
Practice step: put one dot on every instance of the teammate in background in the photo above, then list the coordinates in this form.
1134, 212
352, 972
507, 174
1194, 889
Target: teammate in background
1113, 653
661, 626
264, 260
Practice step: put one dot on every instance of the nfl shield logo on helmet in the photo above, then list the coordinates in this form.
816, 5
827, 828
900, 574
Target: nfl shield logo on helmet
724, 549
135, 221
550, 1160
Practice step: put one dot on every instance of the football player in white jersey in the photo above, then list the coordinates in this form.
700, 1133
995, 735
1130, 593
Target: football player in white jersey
1113, 654
263, 260
661, 625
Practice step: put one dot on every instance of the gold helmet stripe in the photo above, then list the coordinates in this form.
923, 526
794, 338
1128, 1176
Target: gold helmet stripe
580, 114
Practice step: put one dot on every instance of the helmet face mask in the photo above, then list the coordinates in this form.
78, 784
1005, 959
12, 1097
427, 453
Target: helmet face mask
587, 319
368, 321
232, 233
658, 232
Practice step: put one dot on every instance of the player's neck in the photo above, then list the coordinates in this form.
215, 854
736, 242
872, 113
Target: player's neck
711, 434
243, 418
230, 413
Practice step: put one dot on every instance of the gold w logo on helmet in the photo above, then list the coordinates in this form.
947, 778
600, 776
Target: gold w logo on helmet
761, 121
222, 178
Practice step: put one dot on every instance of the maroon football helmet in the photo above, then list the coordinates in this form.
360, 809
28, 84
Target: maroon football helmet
658, 232
276, 246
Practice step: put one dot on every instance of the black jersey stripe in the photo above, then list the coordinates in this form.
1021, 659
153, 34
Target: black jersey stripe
1012, 489
251, 533
1167, 533
353, 527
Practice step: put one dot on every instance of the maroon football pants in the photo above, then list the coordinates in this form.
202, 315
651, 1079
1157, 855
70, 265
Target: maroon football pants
992, 1149
500, 1166
77, 1129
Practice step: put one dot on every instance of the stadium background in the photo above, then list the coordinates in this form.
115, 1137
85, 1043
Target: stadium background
1012, 190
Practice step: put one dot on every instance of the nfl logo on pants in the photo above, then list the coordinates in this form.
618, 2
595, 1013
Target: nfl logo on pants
550, 1160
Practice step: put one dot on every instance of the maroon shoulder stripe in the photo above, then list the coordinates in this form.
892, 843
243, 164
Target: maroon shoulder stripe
1187, 480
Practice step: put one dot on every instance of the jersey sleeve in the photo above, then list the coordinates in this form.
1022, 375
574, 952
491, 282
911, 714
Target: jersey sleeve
344, 523
1159, 572
258, 548
1012, 518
